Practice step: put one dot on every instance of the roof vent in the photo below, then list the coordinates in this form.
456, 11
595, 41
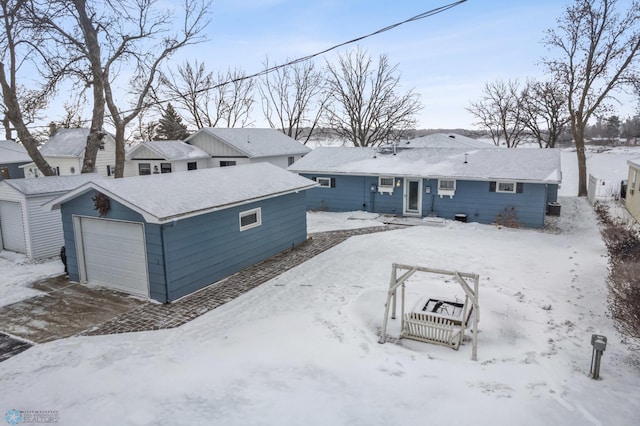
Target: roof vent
452, 136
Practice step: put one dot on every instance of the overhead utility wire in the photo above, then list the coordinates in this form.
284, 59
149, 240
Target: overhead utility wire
265, 71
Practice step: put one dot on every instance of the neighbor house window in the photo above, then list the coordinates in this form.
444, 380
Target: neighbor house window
385, 184
101, 147
446, 187
111, 170
290, 160
72, 170
250, 219
57, 171
165, 167
192, 166
144, 169
509, 187
227, 163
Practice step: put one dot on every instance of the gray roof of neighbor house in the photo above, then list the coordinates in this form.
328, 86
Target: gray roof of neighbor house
535, 165
50, 184
256, 143
445, 140
169, 150
13, 152
172, 196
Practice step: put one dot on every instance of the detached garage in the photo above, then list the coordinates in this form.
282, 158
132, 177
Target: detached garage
25, 226
165, 236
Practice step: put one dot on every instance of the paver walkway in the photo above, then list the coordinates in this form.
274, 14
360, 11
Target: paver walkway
154, 316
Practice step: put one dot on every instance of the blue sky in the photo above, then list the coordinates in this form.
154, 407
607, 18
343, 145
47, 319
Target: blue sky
446, 58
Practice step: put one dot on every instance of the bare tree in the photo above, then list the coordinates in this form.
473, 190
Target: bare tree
294, 99
598, 53
544, 111
366, 105
20, 45
210, 101
500, 112
102, 40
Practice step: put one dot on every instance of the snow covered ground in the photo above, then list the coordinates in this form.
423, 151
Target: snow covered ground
302, 348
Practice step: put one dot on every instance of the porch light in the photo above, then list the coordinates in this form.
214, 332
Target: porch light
398, 183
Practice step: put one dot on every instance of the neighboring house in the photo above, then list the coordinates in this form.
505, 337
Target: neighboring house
230, 147
64, 151
445, 140
510, 186
632, 200
153, 157
167, 235
25, 226
12, 156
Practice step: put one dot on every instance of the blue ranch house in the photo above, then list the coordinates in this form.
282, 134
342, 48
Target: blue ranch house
164, 236
496, 185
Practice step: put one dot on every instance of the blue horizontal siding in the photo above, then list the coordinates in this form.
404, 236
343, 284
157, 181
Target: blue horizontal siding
195, 252
84, 206
471, 198
207, 248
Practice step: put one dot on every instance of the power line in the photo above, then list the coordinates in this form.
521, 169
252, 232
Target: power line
268, 70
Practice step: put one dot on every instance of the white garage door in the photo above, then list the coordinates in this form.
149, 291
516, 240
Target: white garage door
114, 255
12, 226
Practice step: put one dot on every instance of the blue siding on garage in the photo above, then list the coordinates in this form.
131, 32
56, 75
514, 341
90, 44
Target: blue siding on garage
84, 206
195, 252
471, 198
204, 249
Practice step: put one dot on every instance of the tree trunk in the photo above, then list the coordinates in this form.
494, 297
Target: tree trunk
120, 151
15, 117
577, 129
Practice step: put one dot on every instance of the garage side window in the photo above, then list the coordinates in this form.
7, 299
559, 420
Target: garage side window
144, 169
250, 219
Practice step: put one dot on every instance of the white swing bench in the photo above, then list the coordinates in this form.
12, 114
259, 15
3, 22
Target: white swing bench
437, 320
434, 320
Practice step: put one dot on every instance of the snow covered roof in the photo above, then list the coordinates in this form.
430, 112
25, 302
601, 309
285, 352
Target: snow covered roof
173, 196
13, 152
536, 165
66, 143
49, 184
169, 150
256, 143
634, 162
445, 140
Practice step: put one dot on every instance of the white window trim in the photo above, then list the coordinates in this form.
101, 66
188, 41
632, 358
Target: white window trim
446, 192
327, 180
258, 222
515, 186
386, 188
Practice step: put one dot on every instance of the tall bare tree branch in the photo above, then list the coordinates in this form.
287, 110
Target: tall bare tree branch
597, 53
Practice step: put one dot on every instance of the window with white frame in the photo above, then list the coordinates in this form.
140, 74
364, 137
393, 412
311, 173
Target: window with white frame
634, 177
250, 219
324, 182
509, 187
446, 187
385, 184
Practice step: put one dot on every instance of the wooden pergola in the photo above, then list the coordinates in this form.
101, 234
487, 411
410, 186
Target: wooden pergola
428, 327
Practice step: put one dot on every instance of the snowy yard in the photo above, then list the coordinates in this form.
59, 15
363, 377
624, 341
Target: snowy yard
302, 348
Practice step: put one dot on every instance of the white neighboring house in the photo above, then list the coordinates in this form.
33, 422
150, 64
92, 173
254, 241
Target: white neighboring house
64, 151
26, 227
153, 157
230, 147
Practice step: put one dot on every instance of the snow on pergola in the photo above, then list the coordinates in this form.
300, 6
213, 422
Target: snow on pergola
429, 323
